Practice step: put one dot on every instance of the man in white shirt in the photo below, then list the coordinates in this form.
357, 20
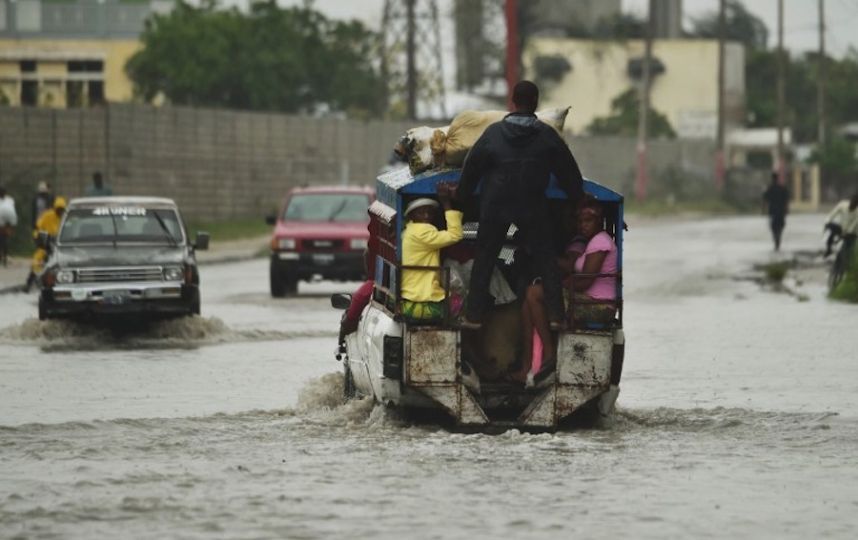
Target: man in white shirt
842, 221
8, 221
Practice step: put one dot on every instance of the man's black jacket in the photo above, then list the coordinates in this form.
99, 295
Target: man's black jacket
515, 159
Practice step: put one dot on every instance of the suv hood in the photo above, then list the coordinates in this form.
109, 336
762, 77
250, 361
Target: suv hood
121, 255
321, 229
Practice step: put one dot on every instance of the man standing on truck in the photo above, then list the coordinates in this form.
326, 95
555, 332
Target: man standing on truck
514, 159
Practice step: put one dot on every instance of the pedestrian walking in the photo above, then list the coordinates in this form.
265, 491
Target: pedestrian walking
776, 198
8, 222
42, 202
98, 188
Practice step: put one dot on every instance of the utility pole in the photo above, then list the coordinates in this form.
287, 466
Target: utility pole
719, 153
642, 175
410, 53
820, 79
781, 166
512, 52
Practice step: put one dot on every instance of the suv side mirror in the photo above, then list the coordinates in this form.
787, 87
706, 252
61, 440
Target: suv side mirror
43, 240
202, 241
271, 219
341, 301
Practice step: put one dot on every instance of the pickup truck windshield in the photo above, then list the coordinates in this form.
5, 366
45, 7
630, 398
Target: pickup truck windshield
321, 207
121, 224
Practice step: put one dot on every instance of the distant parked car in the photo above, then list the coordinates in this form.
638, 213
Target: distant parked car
119, 256
319, 231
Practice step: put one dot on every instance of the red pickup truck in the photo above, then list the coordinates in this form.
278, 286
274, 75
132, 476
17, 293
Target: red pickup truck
319, 231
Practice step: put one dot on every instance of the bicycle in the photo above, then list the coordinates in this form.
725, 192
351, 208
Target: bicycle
841, 260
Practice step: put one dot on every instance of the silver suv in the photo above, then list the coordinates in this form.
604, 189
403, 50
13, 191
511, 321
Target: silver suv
121, 255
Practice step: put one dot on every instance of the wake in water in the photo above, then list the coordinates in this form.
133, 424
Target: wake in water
180, 332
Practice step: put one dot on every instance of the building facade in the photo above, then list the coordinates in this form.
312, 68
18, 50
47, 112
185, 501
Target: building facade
684, 87
70, 53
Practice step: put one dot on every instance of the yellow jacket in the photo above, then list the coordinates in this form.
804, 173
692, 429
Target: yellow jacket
48, 222
421, 246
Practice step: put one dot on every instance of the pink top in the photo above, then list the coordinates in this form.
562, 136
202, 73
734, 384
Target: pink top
604, 288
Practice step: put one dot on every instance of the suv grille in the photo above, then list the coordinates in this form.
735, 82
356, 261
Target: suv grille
322, 244
101, 275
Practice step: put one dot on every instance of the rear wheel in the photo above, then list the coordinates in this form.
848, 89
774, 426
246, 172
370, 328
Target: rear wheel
348, 382
837, 271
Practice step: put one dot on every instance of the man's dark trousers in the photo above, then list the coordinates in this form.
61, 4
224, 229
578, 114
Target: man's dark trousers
537, 238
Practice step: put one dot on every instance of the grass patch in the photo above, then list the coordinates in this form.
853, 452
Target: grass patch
847, 290
661, 207
774, 272
234, 229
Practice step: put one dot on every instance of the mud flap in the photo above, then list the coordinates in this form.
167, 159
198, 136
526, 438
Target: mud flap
541, 411
458, 402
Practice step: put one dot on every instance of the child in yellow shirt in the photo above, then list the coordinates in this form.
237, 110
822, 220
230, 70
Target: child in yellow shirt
422, 292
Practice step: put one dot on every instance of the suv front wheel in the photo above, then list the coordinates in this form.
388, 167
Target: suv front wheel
281, 282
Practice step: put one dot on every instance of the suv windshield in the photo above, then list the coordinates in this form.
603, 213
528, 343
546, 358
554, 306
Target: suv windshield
121, 224
327, 207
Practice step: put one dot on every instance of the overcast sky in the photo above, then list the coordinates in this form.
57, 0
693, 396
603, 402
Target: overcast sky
800, 17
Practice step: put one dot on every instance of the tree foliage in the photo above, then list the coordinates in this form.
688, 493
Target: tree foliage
624, 119
741, 25
839, 164
272, 58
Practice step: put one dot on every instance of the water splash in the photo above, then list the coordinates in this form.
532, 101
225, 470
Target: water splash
180, 332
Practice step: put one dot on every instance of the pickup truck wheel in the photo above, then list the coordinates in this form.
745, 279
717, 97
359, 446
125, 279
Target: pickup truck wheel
195, 305
43, 312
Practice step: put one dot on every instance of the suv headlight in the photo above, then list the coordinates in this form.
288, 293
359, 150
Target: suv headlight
357, 243
174, 273
64, 276
286, 243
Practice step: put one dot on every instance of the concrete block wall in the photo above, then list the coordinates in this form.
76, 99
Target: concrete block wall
220, 164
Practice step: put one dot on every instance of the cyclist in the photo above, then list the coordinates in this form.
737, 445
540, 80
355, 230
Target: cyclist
842, 222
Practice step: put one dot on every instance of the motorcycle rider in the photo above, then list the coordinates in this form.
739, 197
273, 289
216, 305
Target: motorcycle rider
48, 222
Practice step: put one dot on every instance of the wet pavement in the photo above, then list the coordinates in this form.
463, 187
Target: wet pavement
738, 418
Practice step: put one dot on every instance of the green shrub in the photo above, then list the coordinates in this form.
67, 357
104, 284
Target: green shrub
848, 288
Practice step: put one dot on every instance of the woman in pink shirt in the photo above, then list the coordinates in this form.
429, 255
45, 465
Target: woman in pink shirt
592, 297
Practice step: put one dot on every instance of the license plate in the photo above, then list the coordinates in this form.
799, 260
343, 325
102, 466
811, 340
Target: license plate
323, 258
115, 297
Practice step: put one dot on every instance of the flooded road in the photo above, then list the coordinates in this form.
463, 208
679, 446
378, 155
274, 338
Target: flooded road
738, 418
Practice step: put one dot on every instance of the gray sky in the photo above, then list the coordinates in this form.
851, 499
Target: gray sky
800, 17
800, 20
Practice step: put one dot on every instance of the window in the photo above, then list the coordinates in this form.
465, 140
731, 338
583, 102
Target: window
86, 66
74, 94
27, 66
29, 93
28, 14
95, 91
331, 207
122, 224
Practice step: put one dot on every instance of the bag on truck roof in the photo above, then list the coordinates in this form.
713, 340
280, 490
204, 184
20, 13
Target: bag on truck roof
468, 126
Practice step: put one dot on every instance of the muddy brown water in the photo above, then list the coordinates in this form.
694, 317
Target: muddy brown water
738, 418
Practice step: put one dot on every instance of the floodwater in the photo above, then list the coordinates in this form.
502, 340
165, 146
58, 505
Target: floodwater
738, 417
